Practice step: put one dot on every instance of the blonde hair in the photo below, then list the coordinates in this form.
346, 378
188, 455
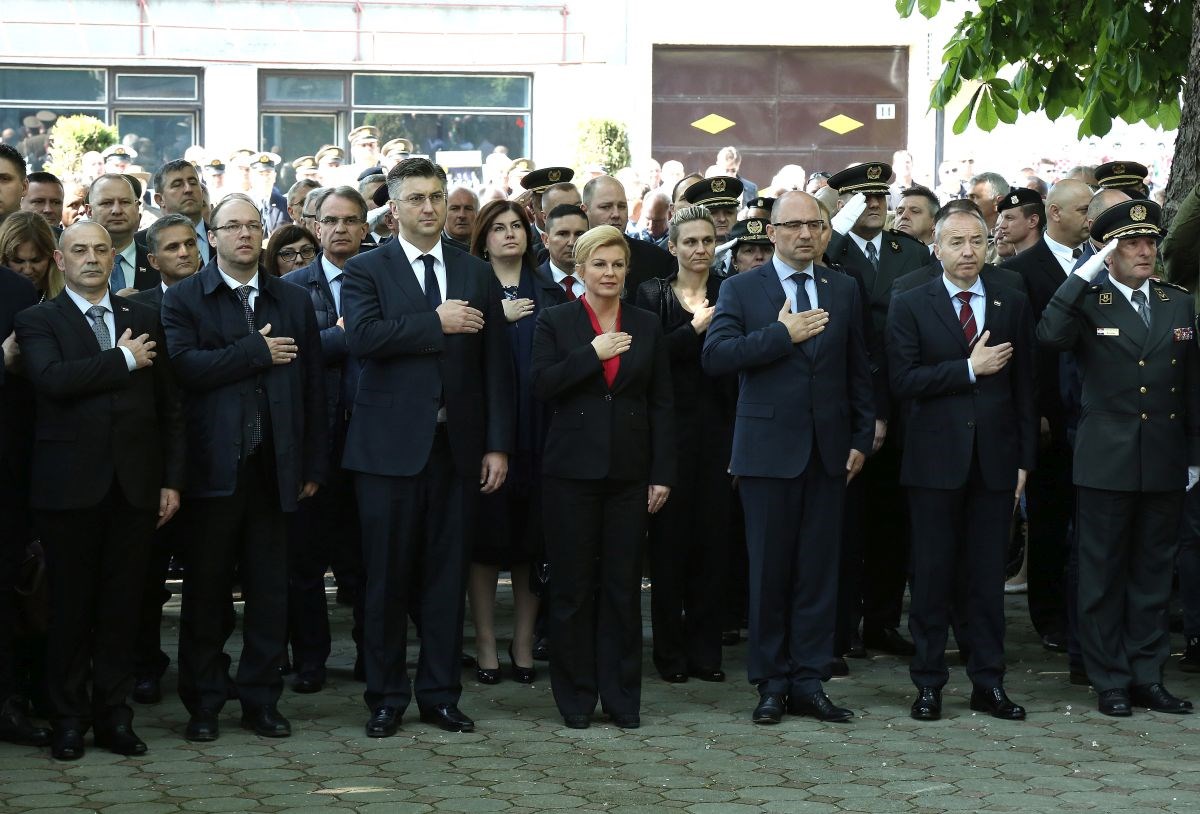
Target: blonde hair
599, 237
29, 227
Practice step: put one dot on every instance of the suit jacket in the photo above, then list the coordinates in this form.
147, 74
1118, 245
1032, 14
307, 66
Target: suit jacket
275, 213
1043, 275
953, 419
546, 291
145, 276
646, 261
749, 190
790, 393
151, 297
992, 275
626, 432
16, 396
409, 367
97, 420
899, 254
1139, 423
221, 366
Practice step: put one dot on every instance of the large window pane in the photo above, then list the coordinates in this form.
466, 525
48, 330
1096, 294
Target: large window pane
31, 143
307, 89
401, 90
156, 86
293, 135
431, 132
52, 85
161, 137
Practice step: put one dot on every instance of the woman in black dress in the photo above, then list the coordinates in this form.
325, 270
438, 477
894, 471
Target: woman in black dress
602, 369
510, 528
689, 537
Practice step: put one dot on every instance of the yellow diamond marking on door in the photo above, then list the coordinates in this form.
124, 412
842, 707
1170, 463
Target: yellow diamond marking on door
841, 124
713, 124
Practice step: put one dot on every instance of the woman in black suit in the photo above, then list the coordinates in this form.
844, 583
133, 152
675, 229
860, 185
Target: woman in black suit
602, 369
689, 537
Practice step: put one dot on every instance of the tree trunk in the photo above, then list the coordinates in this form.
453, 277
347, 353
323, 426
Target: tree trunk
1185, 166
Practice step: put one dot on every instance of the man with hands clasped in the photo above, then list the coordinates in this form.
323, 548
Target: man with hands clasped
961, 353
805, 419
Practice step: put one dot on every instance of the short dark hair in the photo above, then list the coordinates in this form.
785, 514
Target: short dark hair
228, 199
924, 192
483, 224
565, 211
45, 178
9, 152
1038, 209
412, 168
165, 222
348, 193
171, 166
306, 184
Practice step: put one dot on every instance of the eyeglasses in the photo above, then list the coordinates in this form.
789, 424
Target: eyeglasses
236, 228
349, 220
417, 201
797, 225
307, 253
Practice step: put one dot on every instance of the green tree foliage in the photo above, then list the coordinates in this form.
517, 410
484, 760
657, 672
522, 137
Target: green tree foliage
71, 137
604, 142
1096, 60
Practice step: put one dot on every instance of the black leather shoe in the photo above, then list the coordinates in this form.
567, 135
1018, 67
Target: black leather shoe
675, 678
630, 721
1115, 703
887, 640
818, 705
121, 740
1157, 698
307, 683
928, 706
383, 723
67, 744
541, 649
202, 726
769, 710
708, 675
448, 717
147, 690
839, 668
577, 721
521, 675
15, 726
266, 721
1054, 642
996, 703
485, 675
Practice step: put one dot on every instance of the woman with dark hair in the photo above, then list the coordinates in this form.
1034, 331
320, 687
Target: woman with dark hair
689, 537
511, 518
27, 247
602, 369
291, 247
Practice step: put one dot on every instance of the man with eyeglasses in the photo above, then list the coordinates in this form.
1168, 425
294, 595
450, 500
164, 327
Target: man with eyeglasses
431, 428
296, 203
246, 350
323, 531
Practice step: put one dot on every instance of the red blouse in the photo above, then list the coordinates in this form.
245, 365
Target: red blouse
611, 366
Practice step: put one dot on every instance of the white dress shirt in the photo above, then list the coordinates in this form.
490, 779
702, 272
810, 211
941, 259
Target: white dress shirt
1065, 255
418, 266
559, 275
110, 321
202, 242
333, 275
785, 273
862, 244
235, 285
978, 308
1127, 292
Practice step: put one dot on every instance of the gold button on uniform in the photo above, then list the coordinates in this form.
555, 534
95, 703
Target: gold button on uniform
1172, 415
1142, 390
1144, 416
1142, 362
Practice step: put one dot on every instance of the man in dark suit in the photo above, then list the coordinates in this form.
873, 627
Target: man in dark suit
1048, 499
329, 520
991, 275
178, 191
16, 436
605, 203
805, 421
879, 256
1137, 448
432, 425
565, 224
171, 247
961, 352
113, 203
246, 350
107, 465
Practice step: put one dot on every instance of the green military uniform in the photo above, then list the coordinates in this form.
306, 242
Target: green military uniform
1181, 247
1139, 430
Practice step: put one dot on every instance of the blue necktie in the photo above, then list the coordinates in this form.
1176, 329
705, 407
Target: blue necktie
802, 301
118, 275
433, 294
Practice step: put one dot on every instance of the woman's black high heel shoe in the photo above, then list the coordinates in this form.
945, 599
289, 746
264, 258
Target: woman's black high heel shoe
485, 675
522, 675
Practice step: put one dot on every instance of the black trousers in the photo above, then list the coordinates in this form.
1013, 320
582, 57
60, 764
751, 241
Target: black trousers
416, 552
243, 530
595, 530
95, 570
167, 542
1049, 502
317, 531
885, 542
793, 535
960, 541
1127, 546
689, 539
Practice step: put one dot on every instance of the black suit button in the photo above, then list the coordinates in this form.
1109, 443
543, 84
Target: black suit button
258, 390
975, 390
608, 396
971, 424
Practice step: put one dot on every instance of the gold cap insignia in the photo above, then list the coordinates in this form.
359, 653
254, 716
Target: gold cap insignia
1106, 298
1138, 213
1014, 199
1118, 169
873, 172
718, 185
554, 175
754, 227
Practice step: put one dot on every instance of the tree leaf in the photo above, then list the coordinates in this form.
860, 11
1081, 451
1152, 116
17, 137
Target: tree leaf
905, 7
929, 8
964, 118
985, 113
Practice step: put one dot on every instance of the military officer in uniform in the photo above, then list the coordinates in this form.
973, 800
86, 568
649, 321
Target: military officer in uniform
393, 152
721, 195
1127, 176
306, 168
1137, 448
364, 147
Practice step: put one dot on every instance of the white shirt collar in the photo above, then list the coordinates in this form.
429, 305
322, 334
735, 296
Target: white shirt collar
412, 253
785, 271
557, 273
331, 271
953, 290
235, 285
1065, 254
862, 243
83, 305
1127, 292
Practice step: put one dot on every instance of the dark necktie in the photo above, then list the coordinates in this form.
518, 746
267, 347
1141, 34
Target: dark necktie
966, 317
873, 255
1142, 307
244, 293
1076, 252
117, 283
803, 303
568, 284
99, 328
433, 294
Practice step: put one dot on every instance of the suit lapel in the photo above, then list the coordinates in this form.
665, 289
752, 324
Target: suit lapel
944, 308
1160, 322
456, 275
1120, 312
771, 286
1051, 268
78, 322
404, 276
122, 318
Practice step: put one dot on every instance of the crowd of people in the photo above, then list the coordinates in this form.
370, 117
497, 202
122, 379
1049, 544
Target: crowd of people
793, 402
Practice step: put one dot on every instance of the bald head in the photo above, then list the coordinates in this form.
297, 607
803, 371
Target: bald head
1066, 212
1102, 200
605, 203
85, 257
74, 232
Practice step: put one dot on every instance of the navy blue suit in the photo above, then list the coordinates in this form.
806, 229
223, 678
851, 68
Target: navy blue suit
418, 479
801, 409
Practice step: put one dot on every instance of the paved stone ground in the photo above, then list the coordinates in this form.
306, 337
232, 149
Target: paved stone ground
696, 752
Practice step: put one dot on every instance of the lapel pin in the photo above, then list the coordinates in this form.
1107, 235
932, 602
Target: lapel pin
996, 303
1106, 298
895, 246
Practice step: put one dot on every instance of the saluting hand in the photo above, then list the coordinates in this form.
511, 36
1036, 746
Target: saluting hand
458, 317
609, 345
804, 325
283, 348
142, 348
985, 359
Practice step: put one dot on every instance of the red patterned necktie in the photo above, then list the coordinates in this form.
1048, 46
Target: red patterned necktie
966, 317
